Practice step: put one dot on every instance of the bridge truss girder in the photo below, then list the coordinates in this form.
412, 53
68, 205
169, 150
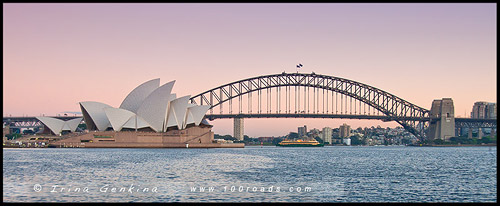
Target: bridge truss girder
475, 123
25, 124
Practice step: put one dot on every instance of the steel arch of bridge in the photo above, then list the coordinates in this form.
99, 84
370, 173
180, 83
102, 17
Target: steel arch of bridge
413, 118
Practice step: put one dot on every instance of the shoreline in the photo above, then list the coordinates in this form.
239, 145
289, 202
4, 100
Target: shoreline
455, 145
231, 146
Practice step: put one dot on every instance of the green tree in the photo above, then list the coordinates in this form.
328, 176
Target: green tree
13, 136
356, 140
277, 140
293, 135
486, 140
248, 139
463, 140
406, 141
82, 126
438, 141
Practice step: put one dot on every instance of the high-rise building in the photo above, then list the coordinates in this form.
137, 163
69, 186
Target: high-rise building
326, 135
491, 111
302, 131
238, 128
345, 130
484, 110
479, 110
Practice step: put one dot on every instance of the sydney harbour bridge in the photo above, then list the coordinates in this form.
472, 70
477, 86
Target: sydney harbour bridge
310, 95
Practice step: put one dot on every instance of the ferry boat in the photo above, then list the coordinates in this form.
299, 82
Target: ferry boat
300, 143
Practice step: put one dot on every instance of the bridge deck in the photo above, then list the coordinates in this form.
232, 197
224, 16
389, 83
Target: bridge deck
332, 116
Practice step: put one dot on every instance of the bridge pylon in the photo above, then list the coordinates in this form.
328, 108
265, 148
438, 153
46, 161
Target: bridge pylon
442, 115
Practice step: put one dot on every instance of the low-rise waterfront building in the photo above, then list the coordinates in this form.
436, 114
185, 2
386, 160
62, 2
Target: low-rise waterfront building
347, 141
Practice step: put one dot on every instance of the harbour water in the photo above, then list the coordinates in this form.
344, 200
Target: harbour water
252, 174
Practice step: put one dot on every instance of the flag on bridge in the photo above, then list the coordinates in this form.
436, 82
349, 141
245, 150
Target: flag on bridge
298, 67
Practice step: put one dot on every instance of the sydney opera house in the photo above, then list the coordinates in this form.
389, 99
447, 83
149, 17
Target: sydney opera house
150, 116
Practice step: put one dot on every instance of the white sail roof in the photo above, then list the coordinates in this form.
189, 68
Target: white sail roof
57, 125
97, 114
198, 113
177, 112
135, 98
172, 121
189, 115
141, 123
73, 123
118, 117
65, 127
154, 108
148, 105
122, 118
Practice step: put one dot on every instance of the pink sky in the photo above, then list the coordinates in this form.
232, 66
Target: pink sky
56, 55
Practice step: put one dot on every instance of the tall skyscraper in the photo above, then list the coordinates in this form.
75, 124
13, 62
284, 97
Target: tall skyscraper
491, 111
326, 135
484, 110
238, 128
345, 130
479, 110
302, 131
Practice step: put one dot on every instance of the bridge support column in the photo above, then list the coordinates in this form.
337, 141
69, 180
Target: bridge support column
479, 133
443, 113
470, 133
238, 129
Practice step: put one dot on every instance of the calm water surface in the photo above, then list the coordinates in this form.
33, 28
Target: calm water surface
252, 174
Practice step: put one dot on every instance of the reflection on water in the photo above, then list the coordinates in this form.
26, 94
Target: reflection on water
252, 174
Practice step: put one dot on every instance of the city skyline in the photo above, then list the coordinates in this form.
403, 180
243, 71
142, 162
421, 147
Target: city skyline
56, 55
